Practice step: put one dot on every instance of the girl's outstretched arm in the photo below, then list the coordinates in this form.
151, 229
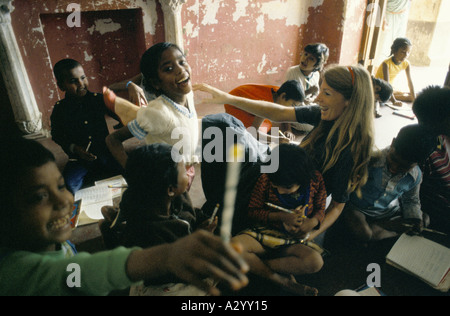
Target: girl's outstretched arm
271, 111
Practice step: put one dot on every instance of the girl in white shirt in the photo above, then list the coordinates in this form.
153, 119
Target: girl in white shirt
171, 118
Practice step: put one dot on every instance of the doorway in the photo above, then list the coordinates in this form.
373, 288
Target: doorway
424, 22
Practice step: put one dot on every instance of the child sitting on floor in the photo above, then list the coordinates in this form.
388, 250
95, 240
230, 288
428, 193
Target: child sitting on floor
289, 94
35, 259
394, 65
168, 75
274, 246
312, 61
390, 198
432, 108
79, 127
382, 92
156, 207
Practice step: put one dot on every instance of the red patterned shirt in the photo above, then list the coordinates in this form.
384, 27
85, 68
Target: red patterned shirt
264, 192
437, 172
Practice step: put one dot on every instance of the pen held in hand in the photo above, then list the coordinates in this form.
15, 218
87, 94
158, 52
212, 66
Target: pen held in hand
279, 208
426, 230
282, 135
88, 146
214, 214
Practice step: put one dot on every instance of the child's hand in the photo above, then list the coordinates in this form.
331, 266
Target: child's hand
290, 135
210, 227
136, 95
83, 154
306, 227
109, 212
292, 222
299, 225
314, 90
416, 226
398, 103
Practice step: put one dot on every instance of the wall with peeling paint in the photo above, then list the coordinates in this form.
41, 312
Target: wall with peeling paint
112, 37
246, 41
235, 42
228, 42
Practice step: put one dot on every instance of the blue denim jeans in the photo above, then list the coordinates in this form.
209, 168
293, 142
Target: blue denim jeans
79, 173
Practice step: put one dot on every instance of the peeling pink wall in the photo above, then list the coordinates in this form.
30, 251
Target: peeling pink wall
109, 42
230, 43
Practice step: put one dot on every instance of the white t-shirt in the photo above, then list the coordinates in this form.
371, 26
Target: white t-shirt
313, 80
164, 121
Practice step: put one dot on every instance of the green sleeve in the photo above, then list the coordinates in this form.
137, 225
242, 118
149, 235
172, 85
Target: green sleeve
29, 274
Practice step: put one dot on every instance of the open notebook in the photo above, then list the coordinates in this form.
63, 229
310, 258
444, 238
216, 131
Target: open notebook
423, 258
95, 197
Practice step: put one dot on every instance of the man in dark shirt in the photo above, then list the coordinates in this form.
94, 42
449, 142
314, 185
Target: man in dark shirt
79, 127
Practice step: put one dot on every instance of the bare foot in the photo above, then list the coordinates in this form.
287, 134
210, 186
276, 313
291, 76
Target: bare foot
291, 285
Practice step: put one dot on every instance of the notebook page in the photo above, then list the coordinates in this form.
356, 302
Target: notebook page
422, 257
93, 198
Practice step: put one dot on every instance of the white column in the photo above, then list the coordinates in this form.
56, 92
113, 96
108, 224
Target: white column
173, 26
20, 93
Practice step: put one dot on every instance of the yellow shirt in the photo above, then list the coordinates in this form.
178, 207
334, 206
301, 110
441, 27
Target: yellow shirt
393, 69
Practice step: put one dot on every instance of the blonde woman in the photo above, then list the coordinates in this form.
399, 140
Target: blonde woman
342, 139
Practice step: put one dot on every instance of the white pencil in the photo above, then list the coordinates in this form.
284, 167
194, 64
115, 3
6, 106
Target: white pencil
427, 230
214, 214
282, 135
231, 184
279, 208
88, 146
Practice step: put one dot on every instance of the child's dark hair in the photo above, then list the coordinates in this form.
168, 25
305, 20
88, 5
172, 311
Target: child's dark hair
414, 143
432, 106
321, 52
149, 172
400, 43
293, 89
17, 157
62, 67
150, 64
386, 89
295, 167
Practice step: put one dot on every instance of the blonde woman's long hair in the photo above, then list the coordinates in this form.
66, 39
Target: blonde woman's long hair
354, 128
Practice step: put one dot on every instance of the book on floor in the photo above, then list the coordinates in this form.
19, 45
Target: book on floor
423, 258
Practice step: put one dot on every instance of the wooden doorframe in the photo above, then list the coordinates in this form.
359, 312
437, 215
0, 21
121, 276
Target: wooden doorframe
374, 19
